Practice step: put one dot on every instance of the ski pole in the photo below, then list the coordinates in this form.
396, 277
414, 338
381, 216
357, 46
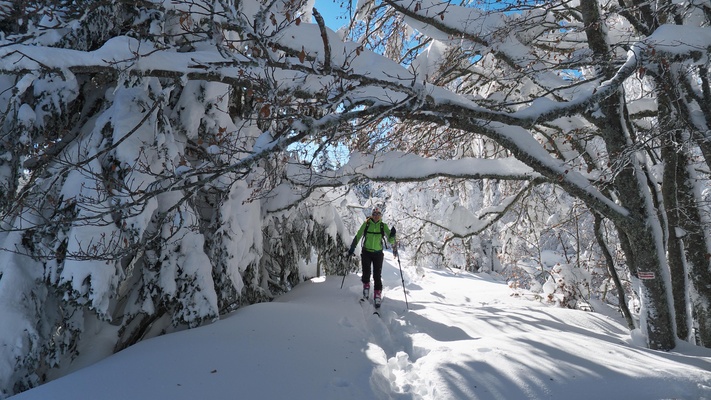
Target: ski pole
345, 270
407, 305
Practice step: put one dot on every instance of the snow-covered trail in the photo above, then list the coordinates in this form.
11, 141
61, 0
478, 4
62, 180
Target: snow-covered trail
467, 337
464, 337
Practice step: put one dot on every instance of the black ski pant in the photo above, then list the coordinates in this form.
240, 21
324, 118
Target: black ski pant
376, 259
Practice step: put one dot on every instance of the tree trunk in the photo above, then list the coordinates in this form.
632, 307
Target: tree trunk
687, 250
634, 193
613, 272
696, 251
673, 162
656, 315
674, 246
642, 227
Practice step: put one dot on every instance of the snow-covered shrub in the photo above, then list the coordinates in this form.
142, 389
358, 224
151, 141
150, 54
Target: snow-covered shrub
135, 204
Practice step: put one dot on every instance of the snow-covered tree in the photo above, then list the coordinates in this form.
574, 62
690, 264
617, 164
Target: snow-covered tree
143, 198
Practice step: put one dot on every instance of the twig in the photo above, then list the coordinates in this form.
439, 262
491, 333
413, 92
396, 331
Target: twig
326, 44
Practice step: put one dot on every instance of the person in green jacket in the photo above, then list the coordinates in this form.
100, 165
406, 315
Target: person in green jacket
373, 231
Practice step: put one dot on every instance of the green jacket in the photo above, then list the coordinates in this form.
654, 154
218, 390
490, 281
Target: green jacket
373, 241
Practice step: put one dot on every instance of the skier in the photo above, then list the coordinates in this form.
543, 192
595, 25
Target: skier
373, 232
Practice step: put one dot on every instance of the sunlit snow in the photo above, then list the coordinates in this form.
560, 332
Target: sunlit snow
465, 336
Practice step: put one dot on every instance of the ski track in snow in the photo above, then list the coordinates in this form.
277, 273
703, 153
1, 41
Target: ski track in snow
397, 374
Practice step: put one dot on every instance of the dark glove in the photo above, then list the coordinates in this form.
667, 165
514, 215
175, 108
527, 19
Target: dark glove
392, 232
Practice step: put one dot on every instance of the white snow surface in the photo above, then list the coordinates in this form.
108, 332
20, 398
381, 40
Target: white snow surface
465, 336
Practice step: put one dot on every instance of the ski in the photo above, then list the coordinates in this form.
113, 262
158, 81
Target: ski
364, 300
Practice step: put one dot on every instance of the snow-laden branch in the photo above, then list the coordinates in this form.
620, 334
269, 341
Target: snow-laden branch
405, 167
353, 67
386, 90
529, 151
393, 167
450, 21
462, 223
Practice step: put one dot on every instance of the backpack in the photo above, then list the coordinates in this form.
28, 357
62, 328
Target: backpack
367, 231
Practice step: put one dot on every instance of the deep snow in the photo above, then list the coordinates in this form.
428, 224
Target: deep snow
465, 336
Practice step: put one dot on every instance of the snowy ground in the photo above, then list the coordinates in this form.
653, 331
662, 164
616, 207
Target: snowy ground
464, 337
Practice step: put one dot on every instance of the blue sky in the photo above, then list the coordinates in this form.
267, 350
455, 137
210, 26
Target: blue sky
331, 10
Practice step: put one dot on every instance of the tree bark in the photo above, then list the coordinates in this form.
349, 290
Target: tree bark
633, 192
698, 271
687, 248
613, 272
674, 245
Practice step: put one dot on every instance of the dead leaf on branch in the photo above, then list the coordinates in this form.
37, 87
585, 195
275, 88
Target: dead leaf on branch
265, 111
